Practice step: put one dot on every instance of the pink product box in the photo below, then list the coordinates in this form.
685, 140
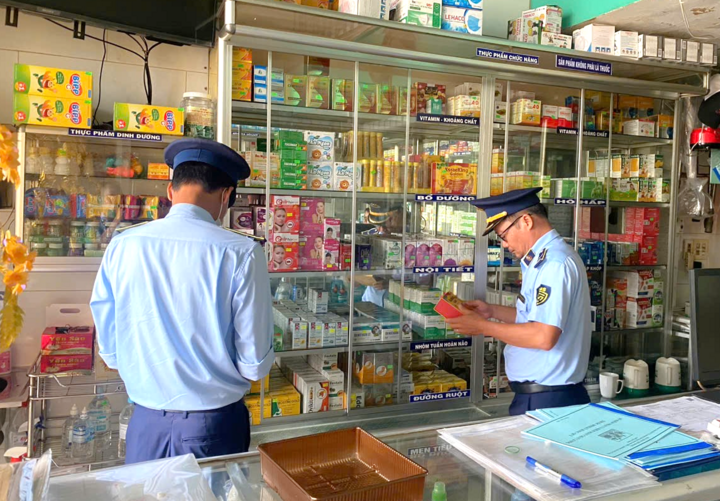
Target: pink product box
331, 254
5, 362
67, 340
311, 252
410, 254
429, 253
286, 238
331, 229
51, 364
284, 200
312, 211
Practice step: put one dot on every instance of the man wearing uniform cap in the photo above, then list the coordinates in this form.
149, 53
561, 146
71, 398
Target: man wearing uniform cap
182, 309
548, 332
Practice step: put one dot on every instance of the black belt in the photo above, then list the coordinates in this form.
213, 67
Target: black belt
532, 387
227, 408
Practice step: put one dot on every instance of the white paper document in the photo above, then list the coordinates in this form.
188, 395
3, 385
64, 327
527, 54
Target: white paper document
692, 413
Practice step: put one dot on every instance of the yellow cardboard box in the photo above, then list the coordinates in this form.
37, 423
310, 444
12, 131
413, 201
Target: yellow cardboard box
52, 111
53, 82
148, 118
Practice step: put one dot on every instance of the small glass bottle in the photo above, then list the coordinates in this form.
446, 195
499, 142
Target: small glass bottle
77, 231
54, 228
92, 232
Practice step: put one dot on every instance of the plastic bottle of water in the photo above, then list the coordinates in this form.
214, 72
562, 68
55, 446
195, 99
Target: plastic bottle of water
284, 290
100, 411
83, 447
125, 416
67, 439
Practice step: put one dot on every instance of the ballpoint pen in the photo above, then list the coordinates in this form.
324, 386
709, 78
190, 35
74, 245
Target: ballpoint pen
563, 479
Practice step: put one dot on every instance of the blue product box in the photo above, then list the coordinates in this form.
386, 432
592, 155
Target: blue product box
461, 20
465, 4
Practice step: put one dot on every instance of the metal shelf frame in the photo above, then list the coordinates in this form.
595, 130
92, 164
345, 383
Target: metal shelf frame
280, 28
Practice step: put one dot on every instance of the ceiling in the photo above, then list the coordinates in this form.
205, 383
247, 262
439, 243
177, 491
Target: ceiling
664, 17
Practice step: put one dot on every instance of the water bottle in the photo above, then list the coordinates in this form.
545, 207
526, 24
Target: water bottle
284, 290
100, 412
125, 416
83, 443
68, 432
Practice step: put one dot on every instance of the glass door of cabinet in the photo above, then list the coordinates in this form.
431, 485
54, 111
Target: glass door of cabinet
78, 191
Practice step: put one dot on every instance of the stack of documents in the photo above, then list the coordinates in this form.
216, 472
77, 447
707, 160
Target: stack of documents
609, 431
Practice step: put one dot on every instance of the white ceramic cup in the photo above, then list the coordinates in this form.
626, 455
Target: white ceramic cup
609, 384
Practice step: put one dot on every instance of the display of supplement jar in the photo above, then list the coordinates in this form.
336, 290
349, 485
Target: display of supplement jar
199, 115
54, 228
77, 231
55, 250
92, 232
40, 248
93, 250
75, 249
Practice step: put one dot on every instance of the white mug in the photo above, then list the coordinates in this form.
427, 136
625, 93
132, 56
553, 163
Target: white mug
609, 384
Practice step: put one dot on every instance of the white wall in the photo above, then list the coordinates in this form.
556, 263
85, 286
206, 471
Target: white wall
174, 70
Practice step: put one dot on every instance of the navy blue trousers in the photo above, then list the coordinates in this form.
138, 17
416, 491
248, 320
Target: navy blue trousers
158, 434
575, 394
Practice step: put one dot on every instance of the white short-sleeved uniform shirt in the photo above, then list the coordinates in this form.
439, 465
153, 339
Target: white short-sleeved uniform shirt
554, 292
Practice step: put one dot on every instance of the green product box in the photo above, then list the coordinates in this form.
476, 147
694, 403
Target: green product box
277, 339
293, 155
565, 188
289, 135
624, 190
593, 189
545, 182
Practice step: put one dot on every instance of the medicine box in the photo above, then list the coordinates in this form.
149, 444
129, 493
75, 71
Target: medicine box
426, 13
595, 38
462, 20
671, 49
627, 44
650, 46
556, 39
67, 340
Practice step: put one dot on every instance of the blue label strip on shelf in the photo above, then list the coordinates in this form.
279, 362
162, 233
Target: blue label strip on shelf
444, 269
587, 202
586, 65
510, 57
111, 134
441, 344
447, 119
448, 395
444, 198
563, 131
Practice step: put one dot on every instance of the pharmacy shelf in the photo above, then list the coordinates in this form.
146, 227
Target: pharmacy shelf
506, 269
103, 459
385, 345
618, 203
637, 267
392, 126
642, 330
554, 139
332, 273
361, 195
63, 137
312, 351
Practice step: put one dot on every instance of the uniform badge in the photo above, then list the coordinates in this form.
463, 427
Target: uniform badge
521, 298
543, 294
541, 257
528, 257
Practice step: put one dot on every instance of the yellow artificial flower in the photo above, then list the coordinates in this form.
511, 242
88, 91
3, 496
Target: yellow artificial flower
16, 279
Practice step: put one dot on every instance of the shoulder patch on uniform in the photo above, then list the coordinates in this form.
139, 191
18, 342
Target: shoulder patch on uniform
253, 237
121, 230
528, 257
541, 257
542, 294
521, 298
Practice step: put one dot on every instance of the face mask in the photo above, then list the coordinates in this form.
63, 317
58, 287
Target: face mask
223, 203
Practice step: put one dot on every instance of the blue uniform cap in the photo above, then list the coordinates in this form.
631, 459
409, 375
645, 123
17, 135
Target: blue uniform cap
210, 153
499, 207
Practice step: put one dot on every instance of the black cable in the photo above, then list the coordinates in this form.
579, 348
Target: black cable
135, 40
96, 38
102, 66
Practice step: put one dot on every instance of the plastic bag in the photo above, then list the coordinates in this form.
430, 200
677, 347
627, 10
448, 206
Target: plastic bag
30, 479
178, 478
693, 200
